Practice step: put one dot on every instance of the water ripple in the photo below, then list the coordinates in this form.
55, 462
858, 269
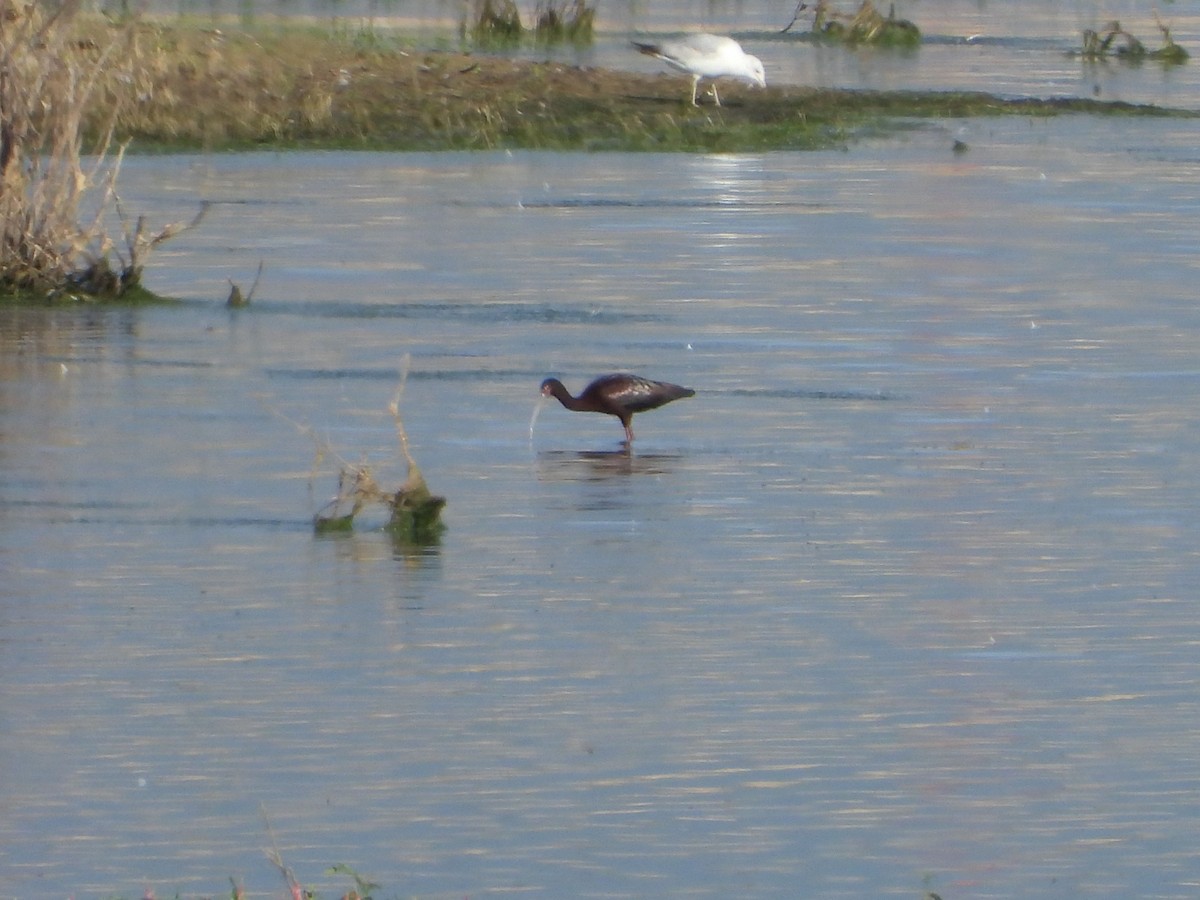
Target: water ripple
805, 394
466, 312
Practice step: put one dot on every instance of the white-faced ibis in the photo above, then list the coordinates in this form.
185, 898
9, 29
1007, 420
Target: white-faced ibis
617, 395
707, 56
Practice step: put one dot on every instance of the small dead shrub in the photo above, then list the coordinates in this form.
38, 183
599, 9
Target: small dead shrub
56, 195
415, 512
1114, 41
865, 26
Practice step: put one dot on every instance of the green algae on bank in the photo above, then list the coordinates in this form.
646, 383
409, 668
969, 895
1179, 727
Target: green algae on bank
137, 295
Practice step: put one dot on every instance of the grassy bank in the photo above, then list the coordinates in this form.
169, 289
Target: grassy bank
297, 87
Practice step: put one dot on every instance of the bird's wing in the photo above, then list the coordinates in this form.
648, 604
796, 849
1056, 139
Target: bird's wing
707, 44
709, 55
636, 394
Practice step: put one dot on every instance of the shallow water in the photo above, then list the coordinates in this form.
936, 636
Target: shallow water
1015, 49
902, 600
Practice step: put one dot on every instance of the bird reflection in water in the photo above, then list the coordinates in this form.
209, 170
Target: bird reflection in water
601, 465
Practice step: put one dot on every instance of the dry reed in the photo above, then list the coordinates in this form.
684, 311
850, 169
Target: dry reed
564, 20
498, 23
56, 195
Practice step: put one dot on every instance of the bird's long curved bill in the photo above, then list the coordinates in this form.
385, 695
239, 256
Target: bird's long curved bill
536, 411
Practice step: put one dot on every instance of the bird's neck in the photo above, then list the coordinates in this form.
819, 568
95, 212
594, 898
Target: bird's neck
575, 404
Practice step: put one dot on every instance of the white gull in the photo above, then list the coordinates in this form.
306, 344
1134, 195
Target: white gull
707, 56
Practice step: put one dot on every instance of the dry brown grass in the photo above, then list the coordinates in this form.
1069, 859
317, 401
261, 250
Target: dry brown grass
203, 86
42, 178
57, 174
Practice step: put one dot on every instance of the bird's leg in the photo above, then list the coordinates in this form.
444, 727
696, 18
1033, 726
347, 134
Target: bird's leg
695, 82
716, 99
628, 433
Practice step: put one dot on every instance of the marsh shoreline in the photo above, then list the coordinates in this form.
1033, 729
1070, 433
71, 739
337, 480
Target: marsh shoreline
308, 88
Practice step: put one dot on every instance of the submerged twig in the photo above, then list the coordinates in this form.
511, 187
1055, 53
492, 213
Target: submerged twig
236, 298
416, 512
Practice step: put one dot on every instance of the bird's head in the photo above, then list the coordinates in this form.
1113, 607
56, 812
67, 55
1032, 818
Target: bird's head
551, 387
755, 72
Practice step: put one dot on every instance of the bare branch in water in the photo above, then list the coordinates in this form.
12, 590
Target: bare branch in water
415, 510
800, 7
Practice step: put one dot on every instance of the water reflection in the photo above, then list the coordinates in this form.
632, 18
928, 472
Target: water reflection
371, 542
602, 465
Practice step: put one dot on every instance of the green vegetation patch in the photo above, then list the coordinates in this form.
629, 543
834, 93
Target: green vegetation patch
1113, 41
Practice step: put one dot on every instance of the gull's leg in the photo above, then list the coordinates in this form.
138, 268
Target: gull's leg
716, 99
695, 81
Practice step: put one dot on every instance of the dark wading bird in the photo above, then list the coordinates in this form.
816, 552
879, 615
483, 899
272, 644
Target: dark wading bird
616, 395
